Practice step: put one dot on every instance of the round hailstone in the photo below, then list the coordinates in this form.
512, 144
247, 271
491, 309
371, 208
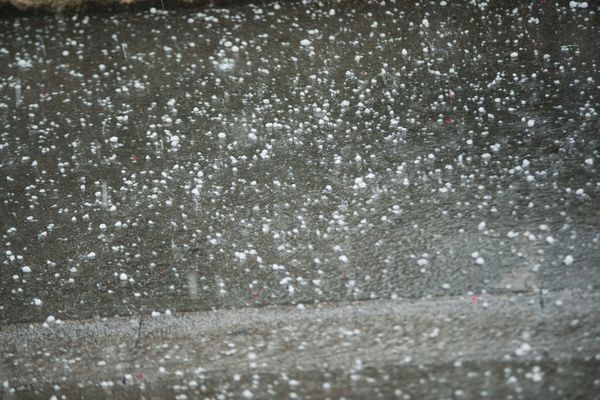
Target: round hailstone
221, 135
568, 260
305, 42
123, 276
514, 54
114, 139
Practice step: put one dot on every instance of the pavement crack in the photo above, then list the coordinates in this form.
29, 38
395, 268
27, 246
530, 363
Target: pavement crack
139, 334
541, 297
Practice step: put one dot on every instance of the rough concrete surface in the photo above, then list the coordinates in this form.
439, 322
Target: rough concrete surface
296, 349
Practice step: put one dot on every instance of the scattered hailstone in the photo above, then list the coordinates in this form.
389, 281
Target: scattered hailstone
343, 258
305, 42
26, 269
37, 302
91, 255
531, 123
568, 260
114, 139
221, 135
425, 23
523, 349
514, 54
123, 276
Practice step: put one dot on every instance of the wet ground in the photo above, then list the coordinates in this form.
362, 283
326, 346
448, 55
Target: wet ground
287, 153
167, 161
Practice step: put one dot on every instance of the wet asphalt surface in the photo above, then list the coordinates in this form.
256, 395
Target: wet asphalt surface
166, 161
283, 154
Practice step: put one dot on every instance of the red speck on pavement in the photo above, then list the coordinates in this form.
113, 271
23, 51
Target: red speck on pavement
474, 299
448, 120
134, 158
139, 375
255, 295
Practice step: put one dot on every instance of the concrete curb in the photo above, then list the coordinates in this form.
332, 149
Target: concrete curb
563, 326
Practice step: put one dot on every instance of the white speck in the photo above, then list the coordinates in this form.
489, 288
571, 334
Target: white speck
305, 42
91, 255
343, 258
531, 123
37, 302
114, 139
102, 227
221, 135
247, 394
50, 319
514, 54
479, 261
123, 276
425, 23
26, 269
537, 375
589, 161
568, 260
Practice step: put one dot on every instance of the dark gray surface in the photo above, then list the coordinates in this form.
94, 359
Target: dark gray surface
297, 155
462, 179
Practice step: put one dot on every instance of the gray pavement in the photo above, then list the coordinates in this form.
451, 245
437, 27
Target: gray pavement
163, 163
505, 346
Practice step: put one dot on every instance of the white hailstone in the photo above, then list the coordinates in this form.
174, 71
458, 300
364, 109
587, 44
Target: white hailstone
114, 139
123, 276
531, 123
343, 258
305, 42
514, 54
91, 255
102, 227
221, 135
37, 302
568, 260
26, 269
